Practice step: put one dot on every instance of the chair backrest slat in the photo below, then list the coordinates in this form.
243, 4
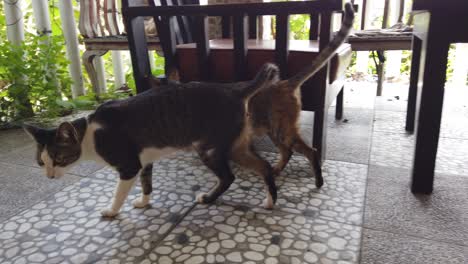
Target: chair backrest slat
314, 26
282, 43
110, 17
98, 16
169, 44
138, 47
203, 46
253, 27
86, 30
240, 47
226, 26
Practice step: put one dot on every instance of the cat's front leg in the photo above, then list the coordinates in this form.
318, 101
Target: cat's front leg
120, 194
146, 187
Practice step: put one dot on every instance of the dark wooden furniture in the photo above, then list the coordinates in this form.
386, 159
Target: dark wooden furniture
437, 24
103, 30
241, 57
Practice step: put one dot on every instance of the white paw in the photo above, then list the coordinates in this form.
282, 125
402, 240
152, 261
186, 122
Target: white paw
200, 198
268, 203
141, 202
109, 212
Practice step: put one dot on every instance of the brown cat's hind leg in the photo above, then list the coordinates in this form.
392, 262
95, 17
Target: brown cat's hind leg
246, 158
313, 157
285, 156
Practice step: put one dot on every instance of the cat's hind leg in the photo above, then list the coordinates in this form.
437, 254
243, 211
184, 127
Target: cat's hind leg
313, 157
146, 187
285, 152
216, 161
244, 156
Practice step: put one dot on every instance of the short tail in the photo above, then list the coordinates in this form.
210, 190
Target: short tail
327, 53
266, 76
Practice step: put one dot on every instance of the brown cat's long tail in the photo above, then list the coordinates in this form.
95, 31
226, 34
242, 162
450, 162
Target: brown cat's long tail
266, 76
327, 53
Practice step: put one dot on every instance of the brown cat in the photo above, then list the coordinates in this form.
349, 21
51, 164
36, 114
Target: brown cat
276, 111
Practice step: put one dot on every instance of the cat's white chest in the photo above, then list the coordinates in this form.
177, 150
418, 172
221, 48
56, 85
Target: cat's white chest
149, 155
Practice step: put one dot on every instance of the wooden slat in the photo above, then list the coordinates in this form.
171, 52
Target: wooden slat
314, 26
274, 8
282, 43
85, 27
99, 15
203, 46
138, 50
240, 47
184, 25
363, 16
111, 15
252, 27
169, 44
226, 26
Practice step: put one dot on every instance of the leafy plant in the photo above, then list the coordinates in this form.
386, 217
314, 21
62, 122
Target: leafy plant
36, 77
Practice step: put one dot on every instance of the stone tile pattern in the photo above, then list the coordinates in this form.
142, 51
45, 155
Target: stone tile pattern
396, 150
340, 199
224, 233
69, 228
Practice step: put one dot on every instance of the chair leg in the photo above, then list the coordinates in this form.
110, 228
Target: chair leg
413, 87
319, 140
339, 105
88, 57
432, 77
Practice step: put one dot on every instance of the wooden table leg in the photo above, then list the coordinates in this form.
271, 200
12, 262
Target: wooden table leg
433, 75
413, 87
339, 105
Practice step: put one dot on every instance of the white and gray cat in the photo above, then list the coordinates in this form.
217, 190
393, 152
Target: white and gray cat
130, 134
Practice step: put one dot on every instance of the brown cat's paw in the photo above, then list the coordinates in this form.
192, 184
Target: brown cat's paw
268, 203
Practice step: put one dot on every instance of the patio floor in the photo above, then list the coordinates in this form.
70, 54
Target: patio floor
364, 213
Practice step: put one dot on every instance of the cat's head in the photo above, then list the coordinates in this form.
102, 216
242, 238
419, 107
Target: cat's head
57, 149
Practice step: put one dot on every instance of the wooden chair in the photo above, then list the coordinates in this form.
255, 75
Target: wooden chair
102, 29
239, 58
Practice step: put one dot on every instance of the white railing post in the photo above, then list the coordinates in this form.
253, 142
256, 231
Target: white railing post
71, 40
42, 17
101, 74
119, 76
14, 21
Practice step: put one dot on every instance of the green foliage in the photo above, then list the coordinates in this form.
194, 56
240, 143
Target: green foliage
299, 26
35, 76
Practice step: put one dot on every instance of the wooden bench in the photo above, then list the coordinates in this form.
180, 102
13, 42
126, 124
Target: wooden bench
103, 30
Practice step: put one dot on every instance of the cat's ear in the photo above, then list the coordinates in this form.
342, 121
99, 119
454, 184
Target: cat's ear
66, 134
40, 135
